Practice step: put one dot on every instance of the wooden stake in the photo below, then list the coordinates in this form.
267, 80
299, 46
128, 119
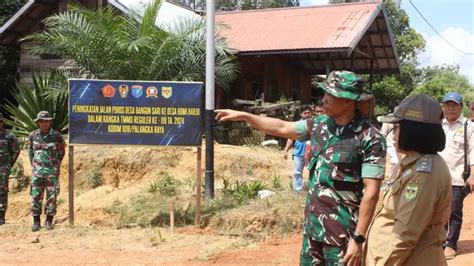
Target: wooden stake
197, 220
171, 207
71, 183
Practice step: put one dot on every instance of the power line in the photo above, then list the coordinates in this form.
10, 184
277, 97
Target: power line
433, 28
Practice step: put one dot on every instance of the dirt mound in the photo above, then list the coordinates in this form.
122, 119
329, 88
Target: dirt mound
126, 172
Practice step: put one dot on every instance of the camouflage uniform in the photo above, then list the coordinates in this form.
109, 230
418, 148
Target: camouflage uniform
340, 157
9, 151
46, 152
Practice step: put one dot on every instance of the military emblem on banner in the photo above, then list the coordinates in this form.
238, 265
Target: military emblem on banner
167, 92
137, 91
151, 91
123, 90
108, 91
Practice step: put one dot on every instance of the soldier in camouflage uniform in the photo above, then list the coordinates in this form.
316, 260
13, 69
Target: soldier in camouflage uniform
46, 151
9, 151
347, 158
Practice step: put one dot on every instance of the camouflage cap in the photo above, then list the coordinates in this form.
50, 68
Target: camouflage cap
43, 115
345, 84
418, 108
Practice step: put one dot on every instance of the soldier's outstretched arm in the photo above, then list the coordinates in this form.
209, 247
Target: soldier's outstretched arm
271, 126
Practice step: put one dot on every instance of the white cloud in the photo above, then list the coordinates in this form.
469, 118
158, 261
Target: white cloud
438, 52
313, 2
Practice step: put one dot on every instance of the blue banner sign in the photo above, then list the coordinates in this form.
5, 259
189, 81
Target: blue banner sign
135, 112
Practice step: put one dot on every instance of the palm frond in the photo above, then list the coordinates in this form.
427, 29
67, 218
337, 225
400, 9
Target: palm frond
132, 47
30, 101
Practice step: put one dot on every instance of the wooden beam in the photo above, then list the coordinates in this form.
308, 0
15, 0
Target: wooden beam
370, 46
359, 51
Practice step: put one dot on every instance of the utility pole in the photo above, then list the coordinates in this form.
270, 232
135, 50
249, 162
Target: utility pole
210, 92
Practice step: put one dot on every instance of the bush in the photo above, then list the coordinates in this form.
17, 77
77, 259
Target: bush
95, 179
166, 186
18, 173
242, 191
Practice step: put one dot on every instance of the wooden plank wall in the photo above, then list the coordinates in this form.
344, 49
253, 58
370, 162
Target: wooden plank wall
30, 62
272, 75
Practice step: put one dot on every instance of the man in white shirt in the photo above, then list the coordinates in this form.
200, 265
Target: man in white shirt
391, 167
453, 154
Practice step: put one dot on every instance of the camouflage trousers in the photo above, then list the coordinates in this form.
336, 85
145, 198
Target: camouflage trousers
318, 253
4, 175
40, 184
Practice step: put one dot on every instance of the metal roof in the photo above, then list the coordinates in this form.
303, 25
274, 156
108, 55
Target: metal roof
318, 38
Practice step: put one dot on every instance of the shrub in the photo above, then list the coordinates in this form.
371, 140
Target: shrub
95, 179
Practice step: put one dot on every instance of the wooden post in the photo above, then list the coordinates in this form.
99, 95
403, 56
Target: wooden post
71, 183
171, 207
197, 220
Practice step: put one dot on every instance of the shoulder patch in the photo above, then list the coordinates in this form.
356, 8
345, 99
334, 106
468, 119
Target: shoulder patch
411, 191
424, 165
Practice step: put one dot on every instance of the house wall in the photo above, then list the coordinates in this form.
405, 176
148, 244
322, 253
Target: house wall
30, 62
271, 75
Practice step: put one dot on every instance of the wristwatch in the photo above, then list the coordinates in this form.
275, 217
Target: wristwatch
359, 239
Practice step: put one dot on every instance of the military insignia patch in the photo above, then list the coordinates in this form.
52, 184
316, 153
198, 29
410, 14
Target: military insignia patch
123, 90
137, 91
151, 91
108, 91
424, 165
411, 191
167, 92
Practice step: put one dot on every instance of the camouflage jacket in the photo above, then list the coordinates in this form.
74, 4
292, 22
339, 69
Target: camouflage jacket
340, 157
46, 151
9, 149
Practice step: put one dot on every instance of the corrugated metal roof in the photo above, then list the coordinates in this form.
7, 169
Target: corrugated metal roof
299, 28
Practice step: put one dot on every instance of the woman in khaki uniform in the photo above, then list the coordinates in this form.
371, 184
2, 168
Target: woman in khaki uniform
408, 228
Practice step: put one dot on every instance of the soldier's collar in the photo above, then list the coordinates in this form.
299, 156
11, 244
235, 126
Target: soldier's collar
45, 134
355, 125
410, 159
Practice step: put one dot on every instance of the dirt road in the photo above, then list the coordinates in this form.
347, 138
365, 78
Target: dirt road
285, 251
90, 245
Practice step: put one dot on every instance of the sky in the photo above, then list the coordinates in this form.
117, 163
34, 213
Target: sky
453, 19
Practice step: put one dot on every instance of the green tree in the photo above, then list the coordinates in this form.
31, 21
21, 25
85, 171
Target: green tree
232, 5
409, 43
389, 90
8, 8
132, 47
9, 55
436, 81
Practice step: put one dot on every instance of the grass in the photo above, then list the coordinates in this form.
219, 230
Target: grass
151, 210
278, 214
276, 182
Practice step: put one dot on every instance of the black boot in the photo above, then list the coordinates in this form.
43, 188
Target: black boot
2, 217
49, 223
36, 223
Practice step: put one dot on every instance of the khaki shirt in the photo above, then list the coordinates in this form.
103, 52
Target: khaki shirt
453, 153
408, 228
